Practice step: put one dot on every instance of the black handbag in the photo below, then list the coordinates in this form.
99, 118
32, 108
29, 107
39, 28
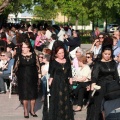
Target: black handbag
112, 90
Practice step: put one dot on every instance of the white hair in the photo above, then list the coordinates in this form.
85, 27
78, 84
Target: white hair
80, 50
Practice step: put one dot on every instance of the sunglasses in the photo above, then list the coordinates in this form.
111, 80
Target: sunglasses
25, 47
40, 57
77, 52
2, 55
87, 57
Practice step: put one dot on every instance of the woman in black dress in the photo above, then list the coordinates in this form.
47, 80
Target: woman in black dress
27, 69
104, 71
60, 78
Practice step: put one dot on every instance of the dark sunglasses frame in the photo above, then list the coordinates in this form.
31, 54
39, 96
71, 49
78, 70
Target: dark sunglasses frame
2, 55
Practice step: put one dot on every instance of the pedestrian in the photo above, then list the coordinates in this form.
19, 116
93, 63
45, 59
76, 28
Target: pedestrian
27, 70
6, 69
104, 72
59, 81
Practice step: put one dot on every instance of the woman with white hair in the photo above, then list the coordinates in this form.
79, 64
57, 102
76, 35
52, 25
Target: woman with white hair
78, 54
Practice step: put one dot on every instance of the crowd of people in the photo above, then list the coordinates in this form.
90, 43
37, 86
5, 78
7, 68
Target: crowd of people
55, 58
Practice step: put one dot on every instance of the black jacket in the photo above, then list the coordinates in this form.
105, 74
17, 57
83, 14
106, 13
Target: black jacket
73, 43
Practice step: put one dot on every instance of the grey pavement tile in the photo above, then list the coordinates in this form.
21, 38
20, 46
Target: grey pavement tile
11, 109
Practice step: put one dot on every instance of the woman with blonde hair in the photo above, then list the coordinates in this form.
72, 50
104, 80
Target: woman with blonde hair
83, 77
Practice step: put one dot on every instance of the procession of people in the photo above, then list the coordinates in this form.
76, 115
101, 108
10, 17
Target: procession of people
68, 76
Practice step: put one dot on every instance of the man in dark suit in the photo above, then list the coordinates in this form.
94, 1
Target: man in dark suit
72, 43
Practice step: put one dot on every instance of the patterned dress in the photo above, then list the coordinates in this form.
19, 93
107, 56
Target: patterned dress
60, 105
27, 69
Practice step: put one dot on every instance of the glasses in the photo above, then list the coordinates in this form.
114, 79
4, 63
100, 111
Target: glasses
2, 55
77, 52
87, 57
40, 57
24, 47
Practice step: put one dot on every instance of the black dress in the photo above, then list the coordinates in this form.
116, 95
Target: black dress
60, 105
27, 70
103, 73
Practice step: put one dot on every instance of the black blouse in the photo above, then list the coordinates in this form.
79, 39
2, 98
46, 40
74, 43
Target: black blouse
104, 71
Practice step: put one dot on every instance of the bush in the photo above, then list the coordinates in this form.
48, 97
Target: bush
86, 40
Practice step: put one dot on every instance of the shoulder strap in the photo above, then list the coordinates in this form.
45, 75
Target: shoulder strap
115, 48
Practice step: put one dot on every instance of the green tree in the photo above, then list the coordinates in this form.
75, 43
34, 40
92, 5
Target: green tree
72, 8
45, 9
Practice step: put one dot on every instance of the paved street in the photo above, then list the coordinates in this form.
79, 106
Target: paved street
11, 109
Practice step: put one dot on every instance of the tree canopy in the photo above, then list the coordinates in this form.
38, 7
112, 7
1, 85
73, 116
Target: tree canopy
77, 9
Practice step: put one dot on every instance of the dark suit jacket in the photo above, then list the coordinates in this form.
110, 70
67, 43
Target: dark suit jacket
73, 43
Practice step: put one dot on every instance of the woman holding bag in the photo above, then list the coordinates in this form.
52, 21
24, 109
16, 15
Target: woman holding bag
104, 72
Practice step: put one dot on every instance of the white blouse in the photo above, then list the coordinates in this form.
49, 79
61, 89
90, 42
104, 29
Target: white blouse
84, 72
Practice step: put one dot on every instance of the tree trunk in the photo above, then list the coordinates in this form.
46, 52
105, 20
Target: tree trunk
106, 25
68, 20
82, 24
76, 23
4, 5
93, 26
97, 22
64, 19
3, 19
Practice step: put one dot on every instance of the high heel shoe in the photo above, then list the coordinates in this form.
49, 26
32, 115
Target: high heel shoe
27, 116
34, 115
78, 109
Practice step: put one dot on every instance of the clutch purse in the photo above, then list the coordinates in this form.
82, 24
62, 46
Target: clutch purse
112, 90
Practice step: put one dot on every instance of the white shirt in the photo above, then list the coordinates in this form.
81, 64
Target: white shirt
69, 32
51, 44
84, 72
61, 34
96, 50
118, 68
45, 69
48, 34
2, 63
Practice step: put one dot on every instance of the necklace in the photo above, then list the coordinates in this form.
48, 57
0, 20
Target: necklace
107, 66
62, 64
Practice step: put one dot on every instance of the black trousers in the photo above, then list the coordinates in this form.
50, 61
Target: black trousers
80, 92
113, 116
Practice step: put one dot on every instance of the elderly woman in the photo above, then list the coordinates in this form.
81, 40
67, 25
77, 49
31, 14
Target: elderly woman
78, 54
83, 76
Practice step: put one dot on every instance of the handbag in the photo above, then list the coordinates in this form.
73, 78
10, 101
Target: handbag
112, 90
